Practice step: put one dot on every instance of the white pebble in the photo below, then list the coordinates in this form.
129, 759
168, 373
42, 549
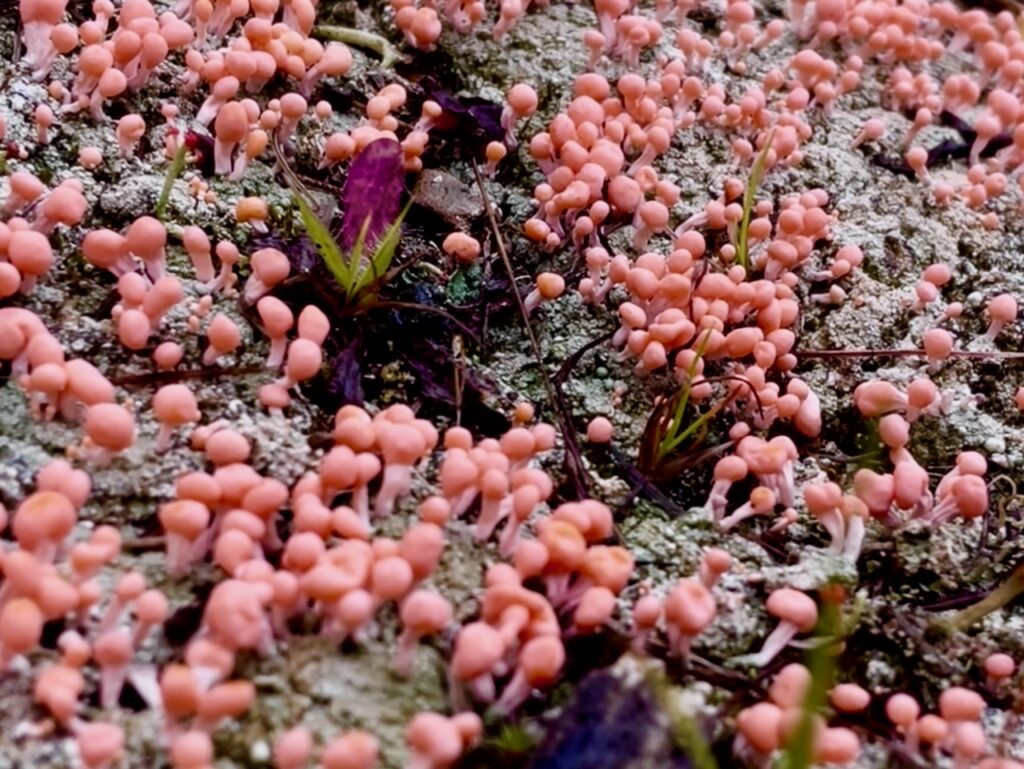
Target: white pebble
259, 753
995, 445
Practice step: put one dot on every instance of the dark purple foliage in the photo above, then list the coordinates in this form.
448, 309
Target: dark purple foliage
469, 121
201, 145
373, 190
345, 382
301, 253
948, 149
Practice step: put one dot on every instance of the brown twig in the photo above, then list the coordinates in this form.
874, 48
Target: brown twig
458, 375
999, 597
156, 377
144, 544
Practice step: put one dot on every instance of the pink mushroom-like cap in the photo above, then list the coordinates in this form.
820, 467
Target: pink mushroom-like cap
1002, 308
43, 517
227, 447
793, 606
434, 739
100, 744
999, 666
30, 252
21, 627
303, 361
523, 99
599, 430
192, 750
759, 724
959, 704
790, 685
110, 426
690, 607
425, 612
223, 336
837, 745
931, 729
849, 698
391, 578
167, 355
151, 607
902, 709
25, 188
146, 237
352, 750
313, 324
269, 267
58, 475
175, 405
185, 518
478, 647
198, 247
463, 247
293, 749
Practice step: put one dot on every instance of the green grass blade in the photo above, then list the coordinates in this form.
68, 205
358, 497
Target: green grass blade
693, 744
355, 261
325, 243
685, 732
177, 166
821, 662
672, 438
383, 254
317, 231
749, 196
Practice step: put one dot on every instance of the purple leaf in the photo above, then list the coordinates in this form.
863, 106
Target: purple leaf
373, 190
469, 121
301, 253
346, 374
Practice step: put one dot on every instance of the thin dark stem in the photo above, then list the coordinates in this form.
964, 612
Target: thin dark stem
378, 304
458, 375
573, 360
574, 465
157, 377
997, 599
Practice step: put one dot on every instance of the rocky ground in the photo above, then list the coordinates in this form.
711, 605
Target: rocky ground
901, 582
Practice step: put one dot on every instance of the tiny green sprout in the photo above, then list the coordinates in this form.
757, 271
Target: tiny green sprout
685, 731
359, 274
749, 195
690, 740
821, 662
668, 427
173, 172
512, 738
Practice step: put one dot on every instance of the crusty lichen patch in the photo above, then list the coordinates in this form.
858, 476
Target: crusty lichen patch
328, 689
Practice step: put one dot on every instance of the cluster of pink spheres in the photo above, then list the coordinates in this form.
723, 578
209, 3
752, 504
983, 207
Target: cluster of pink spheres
697, 304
